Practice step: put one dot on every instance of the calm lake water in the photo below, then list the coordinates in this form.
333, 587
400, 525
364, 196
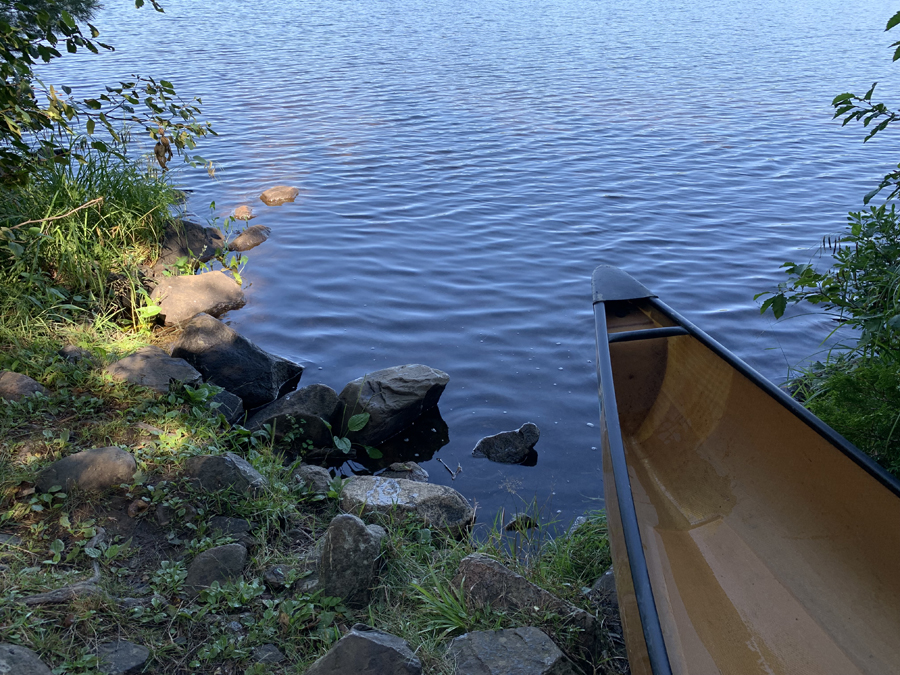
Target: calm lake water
464, 165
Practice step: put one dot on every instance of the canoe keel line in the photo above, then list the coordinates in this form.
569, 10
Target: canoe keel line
747, 536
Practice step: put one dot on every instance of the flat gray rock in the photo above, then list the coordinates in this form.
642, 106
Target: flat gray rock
16, 660
152, 367
222, 564
223, 472
267, 654
523, 651
181, 298
15, 386
122, 658
368, 651
239, 528
96, 469
347, 558
278, 195
487, 582
437, 505
303, 416
393, 397
509, 447
227, 359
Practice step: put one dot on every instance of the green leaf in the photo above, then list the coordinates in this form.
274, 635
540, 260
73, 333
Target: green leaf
894, 322
893, 21
57, 546
90, 127
841, 98
357, 422
342, 444
374, 453
779, 304
67, 19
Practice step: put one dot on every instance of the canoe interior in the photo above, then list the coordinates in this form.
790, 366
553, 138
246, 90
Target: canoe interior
769, 550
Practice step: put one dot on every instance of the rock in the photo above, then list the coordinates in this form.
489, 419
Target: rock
486, 582
520, 523
303, 415
165, 514
278, 195
229, 405
368, 651
222, 472
235, 527
152, 367
406, 470
16, 660
9, 540
74, 354
15, 386
394, 398
222, 564
230, 360
523, 651
95, 469
267, 654
181, 298
122, 658
251, 237
578, 522
347, 559
509, 447
302, 578
603, 593
183, 239
316, 479
437, 505
243, 212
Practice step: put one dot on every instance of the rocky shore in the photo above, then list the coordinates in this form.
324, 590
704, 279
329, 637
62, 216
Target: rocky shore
163, 532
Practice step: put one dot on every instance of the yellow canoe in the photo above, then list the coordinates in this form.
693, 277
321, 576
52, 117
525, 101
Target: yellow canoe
747, 536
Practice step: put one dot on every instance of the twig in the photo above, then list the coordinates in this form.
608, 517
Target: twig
453, 474
98, 200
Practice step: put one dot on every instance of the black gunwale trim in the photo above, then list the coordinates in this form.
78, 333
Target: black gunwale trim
829, 434
637, 561
647, 334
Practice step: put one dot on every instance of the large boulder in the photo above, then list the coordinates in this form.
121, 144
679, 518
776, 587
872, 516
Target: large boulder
15, 386
368, 651
16, 660
184, 239
487, 582
225, 472
509, 447
221, 563
180, 298
122, 658
302, 416
96, 469
393, 397
152, 367
278, 195
229, 360
347, 558
523, 651
437, 505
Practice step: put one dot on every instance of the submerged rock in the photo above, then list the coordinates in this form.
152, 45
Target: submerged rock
15, 386
250, 238
509, 447
393, 397
368, 651
95, 469
437, 505
213, 293
278, 195
243, 212
229, 360
151, 367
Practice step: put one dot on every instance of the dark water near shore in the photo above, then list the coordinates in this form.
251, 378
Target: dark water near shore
464, 165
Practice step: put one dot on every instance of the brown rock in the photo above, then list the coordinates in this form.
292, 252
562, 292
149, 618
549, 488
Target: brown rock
243, 212
278, 195
181, 298
151, 367
15, 386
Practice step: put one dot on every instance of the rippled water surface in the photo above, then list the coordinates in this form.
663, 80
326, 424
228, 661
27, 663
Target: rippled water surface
464, 165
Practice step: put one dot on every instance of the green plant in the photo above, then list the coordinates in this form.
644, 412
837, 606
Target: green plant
355, 423
862, 287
